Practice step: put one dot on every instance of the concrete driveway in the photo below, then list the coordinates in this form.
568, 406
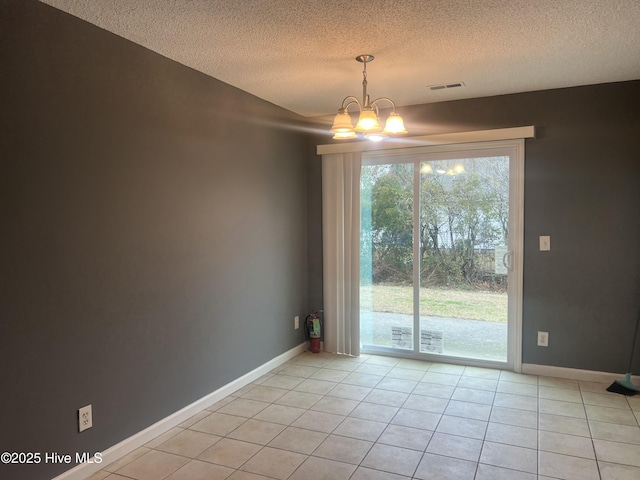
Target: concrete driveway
459, 337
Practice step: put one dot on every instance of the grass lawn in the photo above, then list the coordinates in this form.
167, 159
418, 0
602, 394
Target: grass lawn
471, 304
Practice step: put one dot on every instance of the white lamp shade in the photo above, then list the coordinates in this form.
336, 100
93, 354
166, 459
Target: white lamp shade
344, 135
368, 122
342, 123
375, 136
394, 125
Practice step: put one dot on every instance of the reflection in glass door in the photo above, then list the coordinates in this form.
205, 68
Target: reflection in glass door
437, 254
386, 255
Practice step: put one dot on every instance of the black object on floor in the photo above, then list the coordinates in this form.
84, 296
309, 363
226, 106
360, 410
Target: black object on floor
626, 386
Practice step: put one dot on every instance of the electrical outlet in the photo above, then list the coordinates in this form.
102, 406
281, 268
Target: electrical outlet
85, 418
543, 339
296, 322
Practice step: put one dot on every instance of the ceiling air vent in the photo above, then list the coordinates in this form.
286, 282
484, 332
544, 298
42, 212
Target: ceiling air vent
446, 86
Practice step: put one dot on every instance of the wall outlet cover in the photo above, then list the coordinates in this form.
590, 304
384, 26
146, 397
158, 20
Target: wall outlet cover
85, 418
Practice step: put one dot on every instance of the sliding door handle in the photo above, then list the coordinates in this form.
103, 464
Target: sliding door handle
507, 260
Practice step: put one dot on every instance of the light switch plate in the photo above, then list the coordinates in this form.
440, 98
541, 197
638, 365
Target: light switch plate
545, 243
543, 339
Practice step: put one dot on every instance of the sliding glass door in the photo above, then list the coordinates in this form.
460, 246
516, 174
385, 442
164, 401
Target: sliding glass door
440, 252
386, 255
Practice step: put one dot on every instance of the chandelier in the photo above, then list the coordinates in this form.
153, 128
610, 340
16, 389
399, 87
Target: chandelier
368, 123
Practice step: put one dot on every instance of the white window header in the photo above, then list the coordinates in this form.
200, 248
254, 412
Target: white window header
426, 140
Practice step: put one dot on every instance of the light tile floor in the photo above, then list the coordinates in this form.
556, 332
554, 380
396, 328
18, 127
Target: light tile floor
380, 418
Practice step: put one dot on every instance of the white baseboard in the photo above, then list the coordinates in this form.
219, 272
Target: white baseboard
137, 440
573, 373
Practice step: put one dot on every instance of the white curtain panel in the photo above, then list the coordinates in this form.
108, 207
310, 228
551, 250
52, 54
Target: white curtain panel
341, 252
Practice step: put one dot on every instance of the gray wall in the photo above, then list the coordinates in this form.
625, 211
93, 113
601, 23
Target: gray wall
154, 238
582, 187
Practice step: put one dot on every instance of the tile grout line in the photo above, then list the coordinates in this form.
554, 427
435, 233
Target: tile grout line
400, 406
593, 445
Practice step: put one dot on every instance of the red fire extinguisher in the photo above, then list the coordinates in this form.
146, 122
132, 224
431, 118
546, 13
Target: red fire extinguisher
313, 328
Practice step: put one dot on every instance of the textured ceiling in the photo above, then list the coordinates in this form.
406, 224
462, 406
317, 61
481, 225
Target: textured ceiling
300, 54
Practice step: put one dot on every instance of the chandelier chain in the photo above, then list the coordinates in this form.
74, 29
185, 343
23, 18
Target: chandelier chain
364, 85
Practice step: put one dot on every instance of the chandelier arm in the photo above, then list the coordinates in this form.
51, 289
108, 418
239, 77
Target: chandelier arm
393, 105
351, 102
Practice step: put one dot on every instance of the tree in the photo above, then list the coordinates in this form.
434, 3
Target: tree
392, 224
462, 217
